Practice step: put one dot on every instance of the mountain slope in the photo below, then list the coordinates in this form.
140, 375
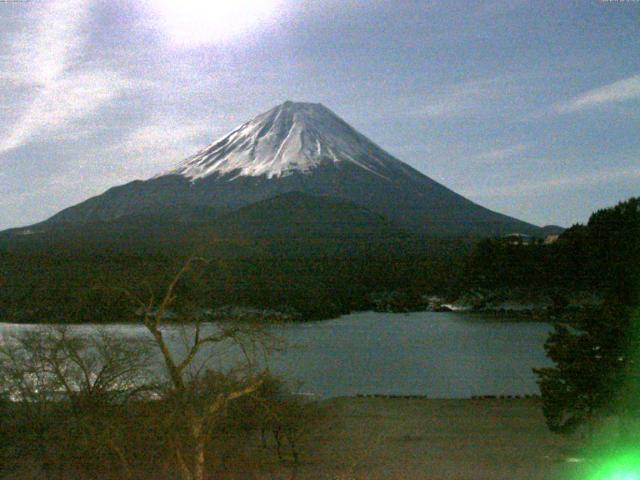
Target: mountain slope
313, 224
297, 214
299, 147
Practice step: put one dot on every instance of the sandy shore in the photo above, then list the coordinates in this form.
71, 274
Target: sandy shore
489, 439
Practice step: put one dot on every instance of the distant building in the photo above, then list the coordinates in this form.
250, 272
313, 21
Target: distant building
549, 239
519, 239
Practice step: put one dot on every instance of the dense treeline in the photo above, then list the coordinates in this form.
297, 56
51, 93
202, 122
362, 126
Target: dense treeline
596, 350
86, 274
313, 278
599, 257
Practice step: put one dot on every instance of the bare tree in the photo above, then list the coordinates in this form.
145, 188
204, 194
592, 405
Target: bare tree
200, 403
62, 387
48, 364
109, 412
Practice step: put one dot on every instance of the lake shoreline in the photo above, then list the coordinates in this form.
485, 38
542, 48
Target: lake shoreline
498, 314
438, 355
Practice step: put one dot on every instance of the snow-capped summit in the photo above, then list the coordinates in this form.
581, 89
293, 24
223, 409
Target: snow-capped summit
293, 136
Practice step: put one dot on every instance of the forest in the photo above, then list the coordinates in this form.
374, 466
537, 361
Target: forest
83, 276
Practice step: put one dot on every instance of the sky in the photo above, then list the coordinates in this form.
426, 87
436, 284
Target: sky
530, 108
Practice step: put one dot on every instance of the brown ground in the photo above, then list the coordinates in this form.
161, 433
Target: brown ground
397, 438
381, 438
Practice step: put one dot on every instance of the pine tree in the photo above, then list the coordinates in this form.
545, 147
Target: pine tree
595, 356
596, 351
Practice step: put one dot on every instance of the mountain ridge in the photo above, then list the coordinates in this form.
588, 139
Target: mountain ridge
302, 147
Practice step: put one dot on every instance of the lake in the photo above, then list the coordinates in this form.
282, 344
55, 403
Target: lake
440, 355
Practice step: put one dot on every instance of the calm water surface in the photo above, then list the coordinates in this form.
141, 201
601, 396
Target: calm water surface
440, 355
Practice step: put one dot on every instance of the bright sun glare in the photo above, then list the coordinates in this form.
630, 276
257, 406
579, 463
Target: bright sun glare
195, 22
625, 466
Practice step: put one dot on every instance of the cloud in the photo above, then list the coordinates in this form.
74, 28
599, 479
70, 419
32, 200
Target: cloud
60, 103
47, 42
616, 92
466, 98
544, 186
493, 8
498, 154
45, 61
451, 101
160, 144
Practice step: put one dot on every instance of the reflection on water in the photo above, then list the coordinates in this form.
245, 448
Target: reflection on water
440, 355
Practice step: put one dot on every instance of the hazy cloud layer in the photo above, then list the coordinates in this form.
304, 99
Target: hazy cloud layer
501, 153
545, 187
45, 61
621, 91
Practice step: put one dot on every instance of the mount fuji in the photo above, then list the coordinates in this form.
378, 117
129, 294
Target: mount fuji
301, 148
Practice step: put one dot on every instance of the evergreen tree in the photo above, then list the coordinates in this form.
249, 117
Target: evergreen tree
595, 356
597, 351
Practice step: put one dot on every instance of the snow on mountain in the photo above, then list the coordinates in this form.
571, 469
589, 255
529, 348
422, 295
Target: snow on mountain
290, 137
